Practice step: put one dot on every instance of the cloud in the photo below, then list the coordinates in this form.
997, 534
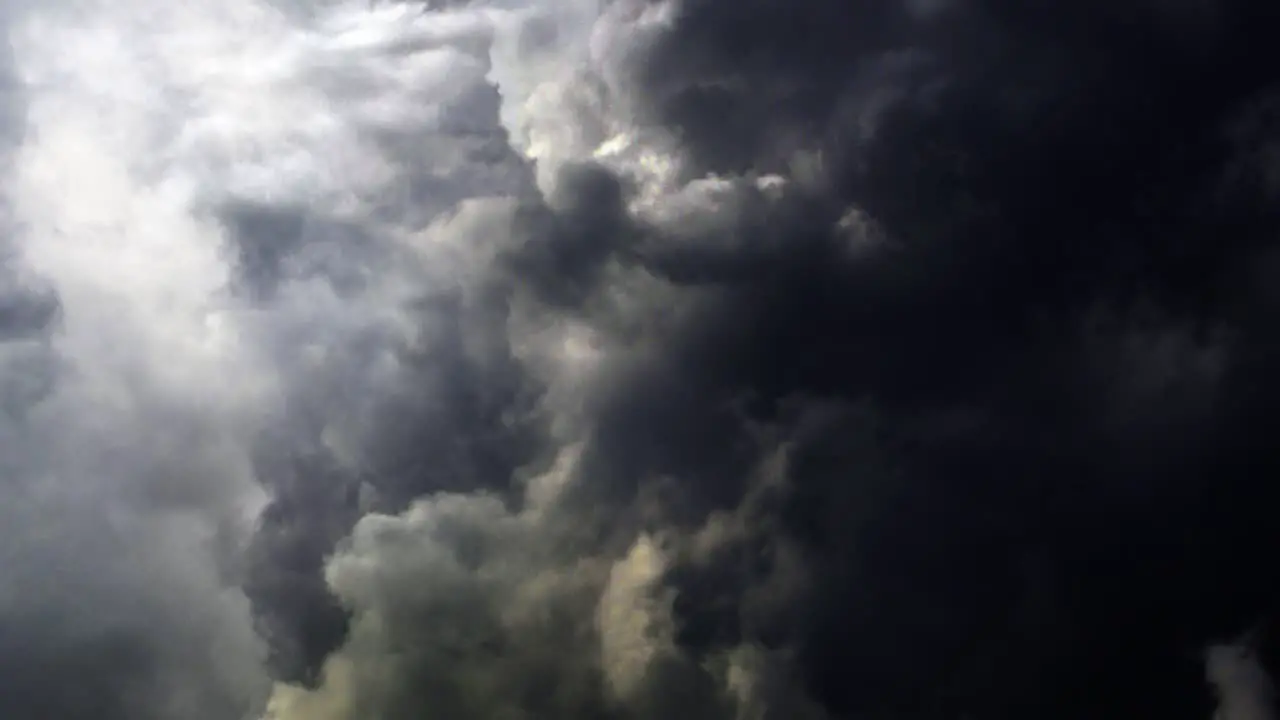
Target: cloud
518, 618
1245, 690
634, 359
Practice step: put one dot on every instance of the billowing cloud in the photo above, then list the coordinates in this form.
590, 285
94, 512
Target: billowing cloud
1245, 689
637, 360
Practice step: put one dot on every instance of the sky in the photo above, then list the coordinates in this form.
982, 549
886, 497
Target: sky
639, 359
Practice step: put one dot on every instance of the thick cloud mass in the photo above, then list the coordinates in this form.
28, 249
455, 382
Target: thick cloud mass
638, 360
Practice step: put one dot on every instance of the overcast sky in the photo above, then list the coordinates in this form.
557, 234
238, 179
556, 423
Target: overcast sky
639, 359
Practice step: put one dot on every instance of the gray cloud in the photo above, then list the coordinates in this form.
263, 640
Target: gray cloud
1245, 690
635, 360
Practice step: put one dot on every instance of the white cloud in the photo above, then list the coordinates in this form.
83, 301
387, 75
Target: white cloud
133, 486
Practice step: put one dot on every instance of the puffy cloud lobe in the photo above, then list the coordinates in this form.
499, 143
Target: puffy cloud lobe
1245, 690
465, 608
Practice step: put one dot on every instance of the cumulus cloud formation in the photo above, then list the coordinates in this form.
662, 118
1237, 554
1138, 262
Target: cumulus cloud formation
637, 359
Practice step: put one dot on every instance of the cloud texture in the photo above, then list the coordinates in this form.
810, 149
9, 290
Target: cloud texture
637, 359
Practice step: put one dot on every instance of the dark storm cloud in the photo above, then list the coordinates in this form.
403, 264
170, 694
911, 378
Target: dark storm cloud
1007, 339
935, 384
968, 419
1063, 336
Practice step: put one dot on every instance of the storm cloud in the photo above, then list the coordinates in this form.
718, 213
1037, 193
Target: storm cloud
638, 360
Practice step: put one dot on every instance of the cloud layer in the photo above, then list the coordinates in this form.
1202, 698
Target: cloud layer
637, 360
